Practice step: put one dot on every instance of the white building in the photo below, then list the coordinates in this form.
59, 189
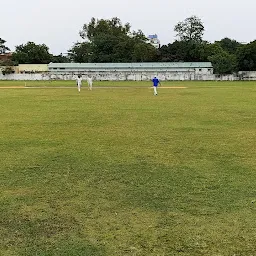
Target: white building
134, 71
153, 39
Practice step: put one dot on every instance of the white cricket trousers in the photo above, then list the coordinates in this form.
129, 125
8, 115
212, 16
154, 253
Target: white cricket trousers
155, 90
89, 85
79, 87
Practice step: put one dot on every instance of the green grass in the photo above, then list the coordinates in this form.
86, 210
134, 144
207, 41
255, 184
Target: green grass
61, 83
121, 172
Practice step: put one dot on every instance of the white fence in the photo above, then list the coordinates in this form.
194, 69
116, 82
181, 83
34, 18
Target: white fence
135, 76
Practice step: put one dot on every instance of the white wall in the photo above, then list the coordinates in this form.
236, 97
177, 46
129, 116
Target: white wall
21, 77
247, 75
135, 76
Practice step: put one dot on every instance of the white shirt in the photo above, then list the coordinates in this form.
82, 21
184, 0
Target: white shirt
79, 81
89, 80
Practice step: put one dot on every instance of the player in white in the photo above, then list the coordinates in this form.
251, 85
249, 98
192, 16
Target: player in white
90, 82
79, 82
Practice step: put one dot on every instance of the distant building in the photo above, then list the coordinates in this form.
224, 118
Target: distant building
198, 67
33, 68
5, 56
153, 39
134, 71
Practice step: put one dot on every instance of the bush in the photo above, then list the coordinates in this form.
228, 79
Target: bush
7, 70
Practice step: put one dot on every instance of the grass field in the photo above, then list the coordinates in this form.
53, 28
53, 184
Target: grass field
60, 83
133, 84
121, 172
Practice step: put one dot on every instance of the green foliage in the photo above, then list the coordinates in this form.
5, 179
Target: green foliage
144, 52
183, 51
60, 59
223, 63
6, 67
80, 52
111, 41
209, 50
111, 27
3, 48
190, 45
229, 45
191, 51
31, 53
246, 55
191, 29
104, 47
7, 70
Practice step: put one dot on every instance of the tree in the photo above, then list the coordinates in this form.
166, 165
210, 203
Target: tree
32, 53
208, 50
7, 70
246, 56
191, 29
97, 27
189, 46
223, 62
182, 51
104, 47
80, 52
144, 53
190, 51
105, 37
60, 59
111, 41
3, 48
229, 45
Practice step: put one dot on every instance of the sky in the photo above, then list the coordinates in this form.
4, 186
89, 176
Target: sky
57, 23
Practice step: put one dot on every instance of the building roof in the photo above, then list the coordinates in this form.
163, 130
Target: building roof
5, 56
147, 65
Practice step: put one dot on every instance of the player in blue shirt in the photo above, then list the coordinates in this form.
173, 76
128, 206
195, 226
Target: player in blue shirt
156, 82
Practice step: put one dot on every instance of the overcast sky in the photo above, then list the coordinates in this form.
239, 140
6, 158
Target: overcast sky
57, 22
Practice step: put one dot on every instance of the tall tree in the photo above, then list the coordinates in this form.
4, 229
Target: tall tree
111, 41
32, 53
190, 42
246, 56
224, 62
229, 45
3, 48
80, 52
191, 29
144, 53
95, 27
208, 50
182, 51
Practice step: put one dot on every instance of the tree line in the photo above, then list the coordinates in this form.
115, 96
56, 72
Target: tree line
109, 40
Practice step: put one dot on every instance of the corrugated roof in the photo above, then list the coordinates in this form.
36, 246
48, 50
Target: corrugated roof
132, 65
